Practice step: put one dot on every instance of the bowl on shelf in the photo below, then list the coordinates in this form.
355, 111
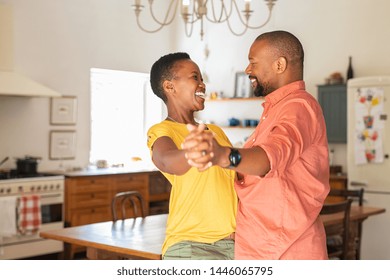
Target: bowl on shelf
234, 122
250, 123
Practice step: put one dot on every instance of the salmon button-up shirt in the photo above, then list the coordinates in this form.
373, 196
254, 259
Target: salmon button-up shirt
278, 214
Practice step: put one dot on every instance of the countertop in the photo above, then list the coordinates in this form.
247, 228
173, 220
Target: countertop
93, 171
343, 176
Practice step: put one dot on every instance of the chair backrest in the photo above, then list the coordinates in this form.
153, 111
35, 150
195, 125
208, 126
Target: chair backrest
123, 199
338, 235
354, 194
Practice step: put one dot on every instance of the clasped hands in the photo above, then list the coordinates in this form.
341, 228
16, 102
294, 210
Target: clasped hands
200, 147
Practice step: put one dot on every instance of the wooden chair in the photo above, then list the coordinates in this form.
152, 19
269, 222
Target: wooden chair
355, 195
337, 236
133, 198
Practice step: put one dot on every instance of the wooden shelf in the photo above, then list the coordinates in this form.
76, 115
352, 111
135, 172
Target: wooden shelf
236, 99
238, 127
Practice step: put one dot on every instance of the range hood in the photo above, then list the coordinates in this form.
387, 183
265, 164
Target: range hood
13, 83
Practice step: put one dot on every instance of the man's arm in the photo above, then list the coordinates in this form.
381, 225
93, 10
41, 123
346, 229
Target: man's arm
254, 161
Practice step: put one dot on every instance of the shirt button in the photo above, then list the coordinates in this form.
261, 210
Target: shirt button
253, 140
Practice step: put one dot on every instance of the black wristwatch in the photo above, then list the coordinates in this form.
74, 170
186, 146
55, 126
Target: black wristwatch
234, 157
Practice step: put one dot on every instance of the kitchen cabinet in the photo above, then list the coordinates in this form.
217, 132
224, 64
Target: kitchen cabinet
87, 200
337, 181
159, 193
333, 100
88, 197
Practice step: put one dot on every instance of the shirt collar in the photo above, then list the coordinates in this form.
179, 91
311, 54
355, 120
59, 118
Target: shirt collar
277, 95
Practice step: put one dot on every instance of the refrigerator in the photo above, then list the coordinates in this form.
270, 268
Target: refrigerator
368, 163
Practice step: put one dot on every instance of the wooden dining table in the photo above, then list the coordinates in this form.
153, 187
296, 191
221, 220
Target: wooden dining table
137, 238
142, 238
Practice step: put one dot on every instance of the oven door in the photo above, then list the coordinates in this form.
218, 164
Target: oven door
22, 246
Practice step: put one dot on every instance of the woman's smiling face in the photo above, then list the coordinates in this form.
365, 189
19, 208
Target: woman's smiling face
188, 84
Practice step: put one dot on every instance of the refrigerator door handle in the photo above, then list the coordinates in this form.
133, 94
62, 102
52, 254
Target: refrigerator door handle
358, 184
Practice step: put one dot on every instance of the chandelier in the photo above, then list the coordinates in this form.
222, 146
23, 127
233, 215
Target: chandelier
193, 11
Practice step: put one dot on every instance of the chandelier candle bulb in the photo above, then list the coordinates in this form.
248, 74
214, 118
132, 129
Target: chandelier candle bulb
185, 5
247, 5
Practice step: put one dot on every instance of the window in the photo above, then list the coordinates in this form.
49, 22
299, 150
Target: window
123, 107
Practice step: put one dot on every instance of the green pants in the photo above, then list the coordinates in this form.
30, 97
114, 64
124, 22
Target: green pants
189, 250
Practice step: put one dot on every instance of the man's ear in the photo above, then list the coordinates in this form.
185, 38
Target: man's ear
280, 64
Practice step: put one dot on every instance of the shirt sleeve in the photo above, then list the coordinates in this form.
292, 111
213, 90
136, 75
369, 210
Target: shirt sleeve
291, 135
155, 132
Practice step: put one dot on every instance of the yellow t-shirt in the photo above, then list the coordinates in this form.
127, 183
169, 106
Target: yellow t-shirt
203, 205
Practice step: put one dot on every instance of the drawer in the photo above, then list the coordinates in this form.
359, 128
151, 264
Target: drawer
91, 215
136, 181
87, 184
131, 182
89, 199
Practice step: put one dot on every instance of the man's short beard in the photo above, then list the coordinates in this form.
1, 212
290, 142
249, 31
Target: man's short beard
259, 91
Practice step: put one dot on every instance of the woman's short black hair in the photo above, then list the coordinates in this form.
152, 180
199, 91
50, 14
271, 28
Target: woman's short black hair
162, 70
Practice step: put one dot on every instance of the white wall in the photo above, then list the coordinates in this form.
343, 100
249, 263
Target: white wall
57, 42
330, 31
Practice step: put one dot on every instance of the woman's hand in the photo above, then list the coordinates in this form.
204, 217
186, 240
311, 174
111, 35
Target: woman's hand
198, 147
202, 150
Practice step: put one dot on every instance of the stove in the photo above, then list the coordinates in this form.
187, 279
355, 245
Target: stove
50, 189
39, 183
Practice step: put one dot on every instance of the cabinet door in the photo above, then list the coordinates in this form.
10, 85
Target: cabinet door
333, 100
159, 187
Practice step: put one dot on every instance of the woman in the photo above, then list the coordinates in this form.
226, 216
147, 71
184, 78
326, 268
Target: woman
202, 207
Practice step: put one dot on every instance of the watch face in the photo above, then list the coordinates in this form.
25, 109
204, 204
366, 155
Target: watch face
234, 158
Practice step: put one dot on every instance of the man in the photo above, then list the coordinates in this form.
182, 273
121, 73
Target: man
283, 169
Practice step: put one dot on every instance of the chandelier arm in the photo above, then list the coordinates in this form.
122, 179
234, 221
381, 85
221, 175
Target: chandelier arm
247, 25
149, 31
239, 15
263, 24
234, 32
166, 21
189, 33
213, 11
223, 8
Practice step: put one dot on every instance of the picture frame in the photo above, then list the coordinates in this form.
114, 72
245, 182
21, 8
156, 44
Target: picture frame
243, 87
63, 110
62, 144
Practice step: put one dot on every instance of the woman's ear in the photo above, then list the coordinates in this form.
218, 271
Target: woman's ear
168, 86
